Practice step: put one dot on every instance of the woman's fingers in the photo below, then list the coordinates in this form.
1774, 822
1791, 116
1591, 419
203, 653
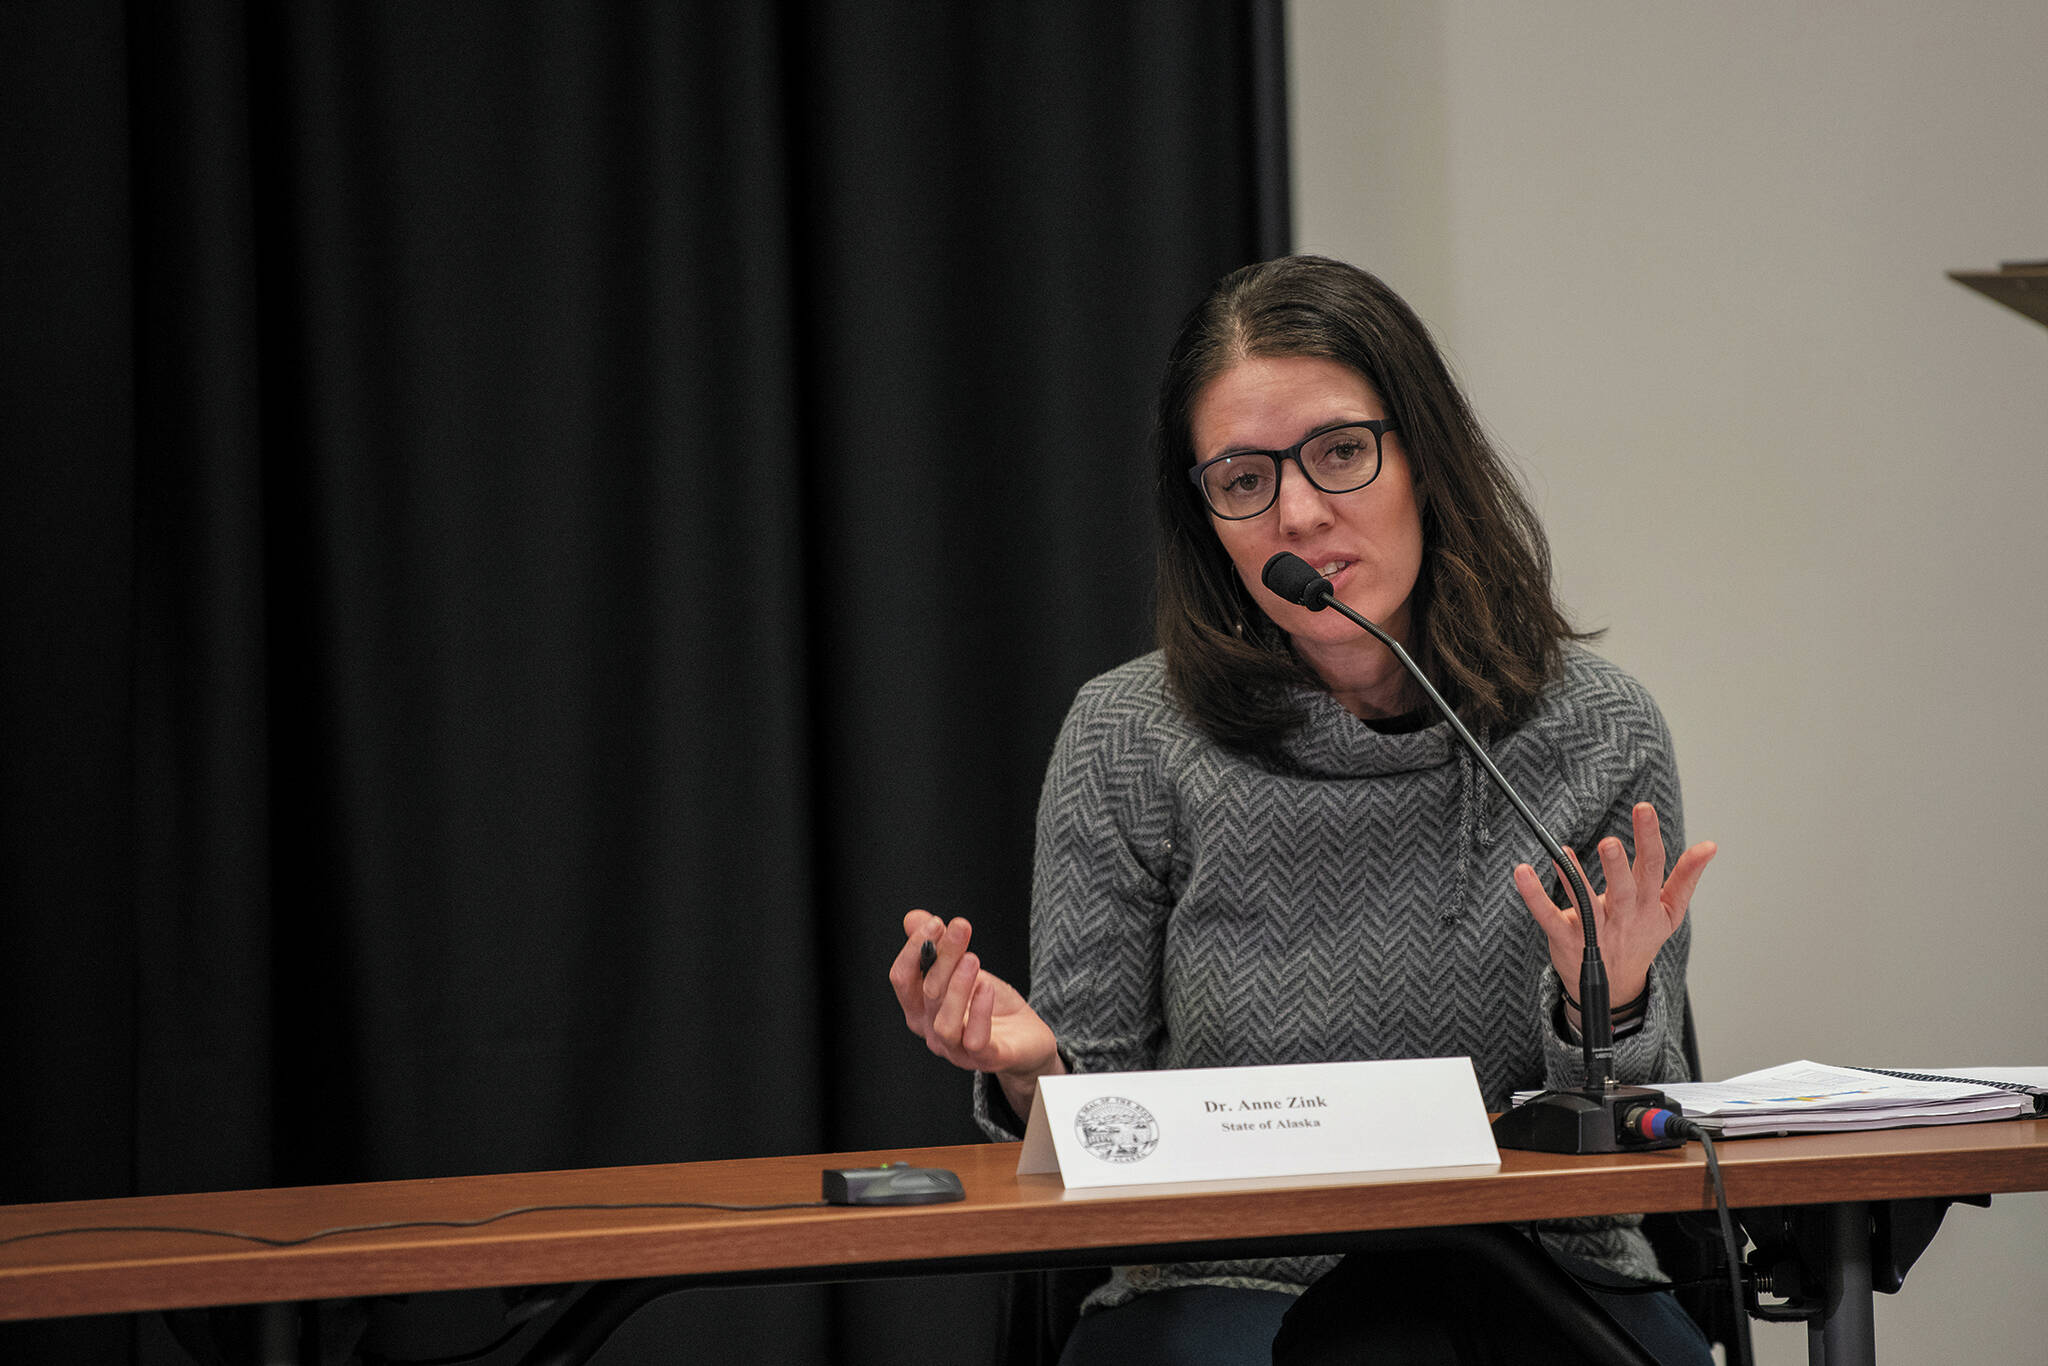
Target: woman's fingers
1649, 846
906, 976
969, 1017
1621, 894
1685, 878
963, 1030
1530, 887
1639, 909
951, 946
979, 1026
950, 1009
1560, 925
1571, 892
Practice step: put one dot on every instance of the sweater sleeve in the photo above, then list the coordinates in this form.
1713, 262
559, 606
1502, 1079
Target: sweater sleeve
1099, 899
1636, 765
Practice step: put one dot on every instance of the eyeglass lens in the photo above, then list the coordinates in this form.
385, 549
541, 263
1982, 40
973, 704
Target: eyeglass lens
1337, 461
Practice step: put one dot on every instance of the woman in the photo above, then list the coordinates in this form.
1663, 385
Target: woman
1257, 845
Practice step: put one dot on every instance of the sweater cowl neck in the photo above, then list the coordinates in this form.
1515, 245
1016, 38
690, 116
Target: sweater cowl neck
1332, 743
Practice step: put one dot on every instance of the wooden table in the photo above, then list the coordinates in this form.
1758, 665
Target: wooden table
1006, 1221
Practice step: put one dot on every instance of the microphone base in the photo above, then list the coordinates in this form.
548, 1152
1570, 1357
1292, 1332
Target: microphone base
1580, 1122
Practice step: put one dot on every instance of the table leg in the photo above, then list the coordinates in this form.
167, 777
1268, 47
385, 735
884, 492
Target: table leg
274, 1334
1846, 1332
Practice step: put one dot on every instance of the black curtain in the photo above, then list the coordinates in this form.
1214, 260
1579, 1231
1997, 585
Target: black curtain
532, 535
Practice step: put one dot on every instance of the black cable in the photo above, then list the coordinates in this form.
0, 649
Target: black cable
1739, 1346
404, 1223
1661, 1123
1680, 1127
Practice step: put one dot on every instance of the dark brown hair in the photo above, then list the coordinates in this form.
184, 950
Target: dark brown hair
1487, 628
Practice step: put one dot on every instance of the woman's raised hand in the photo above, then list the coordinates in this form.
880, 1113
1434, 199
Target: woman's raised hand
1640, 909
969, 1017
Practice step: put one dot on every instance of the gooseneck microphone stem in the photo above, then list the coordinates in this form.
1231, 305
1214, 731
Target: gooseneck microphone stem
1292, 578
1596, 1025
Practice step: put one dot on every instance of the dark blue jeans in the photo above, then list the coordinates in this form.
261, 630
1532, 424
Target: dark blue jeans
1419, 1311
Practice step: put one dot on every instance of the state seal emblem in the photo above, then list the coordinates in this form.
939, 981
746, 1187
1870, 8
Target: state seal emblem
1117, 1130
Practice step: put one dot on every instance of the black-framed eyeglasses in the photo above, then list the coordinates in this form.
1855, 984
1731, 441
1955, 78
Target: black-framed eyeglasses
1340, 459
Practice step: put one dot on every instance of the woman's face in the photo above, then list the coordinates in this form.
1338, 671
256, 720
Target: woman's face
1367, 543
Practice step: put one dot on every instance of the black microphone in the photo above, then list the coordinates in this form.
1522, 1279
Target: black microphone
1593, 1119
1294, 579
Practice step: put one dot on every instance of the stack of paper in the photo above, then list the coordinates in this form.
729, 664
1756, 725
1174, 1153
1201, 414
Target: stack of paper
1812, 1097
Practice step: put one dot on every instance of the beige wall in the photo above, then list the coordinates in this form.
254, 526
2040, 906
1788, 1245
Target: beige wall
1689, 261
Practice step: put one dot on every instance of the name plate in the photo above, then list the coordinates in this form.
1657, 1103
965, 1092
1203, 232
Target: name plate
1216, 1123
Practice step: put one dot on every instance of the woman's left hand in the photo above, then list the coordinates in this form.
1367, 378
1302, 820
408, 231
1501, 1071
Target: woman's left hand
1640, 909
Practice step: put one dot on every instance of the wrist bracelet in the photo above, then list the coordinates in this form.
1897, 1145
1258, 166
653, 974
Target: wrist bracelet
1634, 1007
1622, 1028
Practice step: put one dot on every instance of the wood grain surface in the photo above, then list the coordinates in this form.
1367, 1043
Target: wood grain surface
1004, 1219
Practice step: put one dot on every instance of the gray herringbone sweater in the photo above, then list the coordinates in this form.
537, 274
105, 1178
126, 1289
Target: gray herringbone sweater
1192, 907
